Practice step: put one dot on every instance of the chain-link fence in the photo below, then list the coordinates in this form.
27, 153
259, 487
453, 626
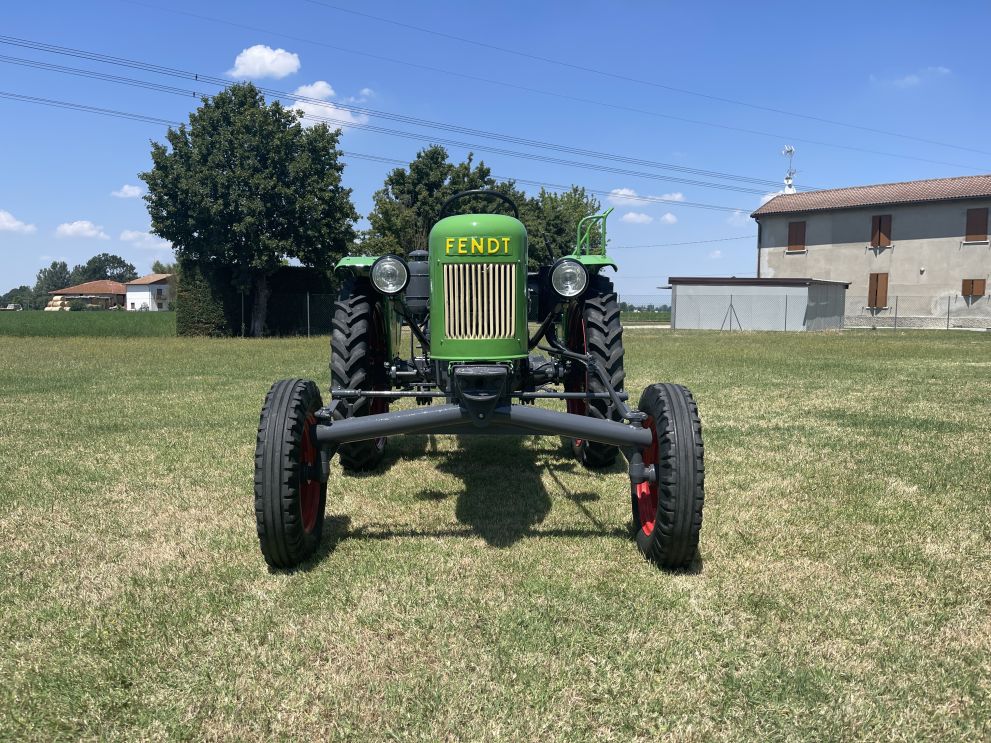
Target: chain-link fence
758, 311
913, 311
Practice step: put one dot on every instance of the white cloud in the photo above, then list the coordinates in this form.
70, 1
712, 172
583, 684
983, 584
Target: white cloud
768, 196
81, 228
366, 93
10, 223
144, 240
914, 79
676, 196
320, 89
739, 219
668, 218
127, 191
622, 197
313, 111
715, 255
637, 218
264, 61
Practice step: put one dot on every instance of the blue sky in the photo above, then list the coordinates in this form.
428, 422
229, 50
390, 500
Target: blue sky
68, 179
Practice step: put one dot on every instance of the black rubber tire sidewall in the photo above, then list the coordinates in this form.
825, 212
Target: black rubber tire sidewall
673, 542
357, 350
278, 457
599, 311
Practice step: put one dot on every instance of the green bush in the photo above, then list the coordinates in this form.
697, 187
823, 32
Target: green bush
203, 296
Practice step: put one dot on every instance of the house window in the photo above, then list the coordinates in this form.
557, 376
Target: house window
881, 231
877, 291
796, 237
974, 287
132, 305
159, 291
977, 225
159, 305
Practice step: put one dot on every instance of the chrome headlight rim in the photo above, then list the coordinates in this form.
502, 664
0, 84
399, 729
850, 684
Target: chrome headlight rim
389, 258
580, 266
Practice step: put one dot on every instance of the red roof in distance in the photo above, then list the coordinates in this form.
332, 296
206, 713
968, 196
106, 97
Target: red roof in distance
94, 287
883, 194
152, 278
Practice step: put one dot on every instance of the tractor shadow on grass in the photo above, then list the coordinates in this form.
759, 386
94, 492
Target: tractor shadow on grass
503, 498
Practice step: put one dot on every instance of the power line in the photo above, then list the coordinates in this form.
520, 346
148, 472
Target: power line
393, 132
355, 109
155, 120
640, 81
539, 91
689, 242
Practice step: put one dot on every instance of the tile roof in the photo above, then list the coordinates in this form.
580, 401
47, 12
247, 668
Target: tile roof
94, 287
152, 278
935, 189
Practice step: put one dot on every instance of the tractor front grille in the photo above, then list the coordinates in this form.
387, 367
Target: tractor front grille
478, 300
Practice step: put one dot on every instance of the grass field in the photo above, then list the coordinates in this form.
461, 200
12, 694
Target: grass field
492, 592
109, 324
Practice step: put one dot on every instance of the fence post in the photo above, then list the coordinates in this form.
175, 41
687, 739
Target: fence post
307, 314
947, 312
896, 313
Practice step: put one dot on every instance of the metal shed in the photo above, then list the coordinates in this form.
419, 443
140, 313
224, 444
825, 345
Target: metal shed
706, 303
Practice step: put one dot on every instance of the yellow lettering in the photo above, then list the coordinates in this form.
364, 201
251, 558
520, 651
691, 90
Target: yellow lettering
505, 245
449, 244
476, 246
493, 245
462, 246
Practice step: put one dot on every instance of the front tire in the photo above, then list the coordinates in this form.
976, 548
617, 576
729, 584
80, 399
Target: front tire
667, 513
290, 496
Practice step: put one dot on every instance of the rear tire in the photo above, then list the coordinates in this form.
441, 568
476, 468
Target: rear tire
667, 514
290, 497
594, 327
357, 361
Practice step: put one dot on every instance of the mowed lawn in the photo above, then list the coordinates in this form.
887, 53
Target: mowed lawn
490, 590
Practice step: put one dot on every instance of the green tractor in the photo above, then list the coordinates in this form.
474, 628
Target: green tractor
457, 328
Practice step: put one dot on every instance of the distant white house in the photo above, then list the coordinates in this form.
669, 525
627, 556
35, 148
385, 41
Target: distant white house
152, 292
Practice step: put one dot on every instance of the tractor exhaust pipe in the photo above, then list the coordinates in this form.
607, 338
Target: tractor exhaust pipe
513, 419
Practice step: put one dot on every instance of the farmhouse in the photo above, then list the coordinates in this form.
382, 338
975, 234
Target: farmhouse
102, 293
924, 240
152, 292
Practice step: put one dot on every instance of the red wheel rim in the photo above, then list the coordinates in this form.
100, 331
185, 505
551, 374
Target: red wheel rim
646, 492
309, 490
577, 382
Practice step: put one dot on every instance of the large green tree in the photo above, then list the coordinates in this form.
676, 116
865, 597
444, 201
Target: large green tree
247, 186
407, 206
104, 266
50, 278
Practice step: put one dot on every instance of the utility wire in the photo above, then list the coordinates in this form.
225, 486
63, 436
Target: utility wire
362, 156
338, 122
538, 91
690, 242
639, 81
355, 109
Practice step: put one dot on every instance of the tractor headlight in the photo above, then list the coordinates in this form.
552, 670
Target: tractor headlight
390, 274
569, 278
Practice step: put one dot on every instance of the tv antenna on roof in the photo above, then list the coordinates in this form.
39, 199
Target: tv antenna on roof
789, 152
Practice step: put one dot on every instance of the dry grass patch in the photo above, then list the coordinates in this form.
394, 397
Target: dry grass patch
488, 588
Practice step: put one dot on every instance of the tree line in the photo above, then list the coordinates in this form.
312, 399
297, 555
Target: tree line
58, 275
246, 185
